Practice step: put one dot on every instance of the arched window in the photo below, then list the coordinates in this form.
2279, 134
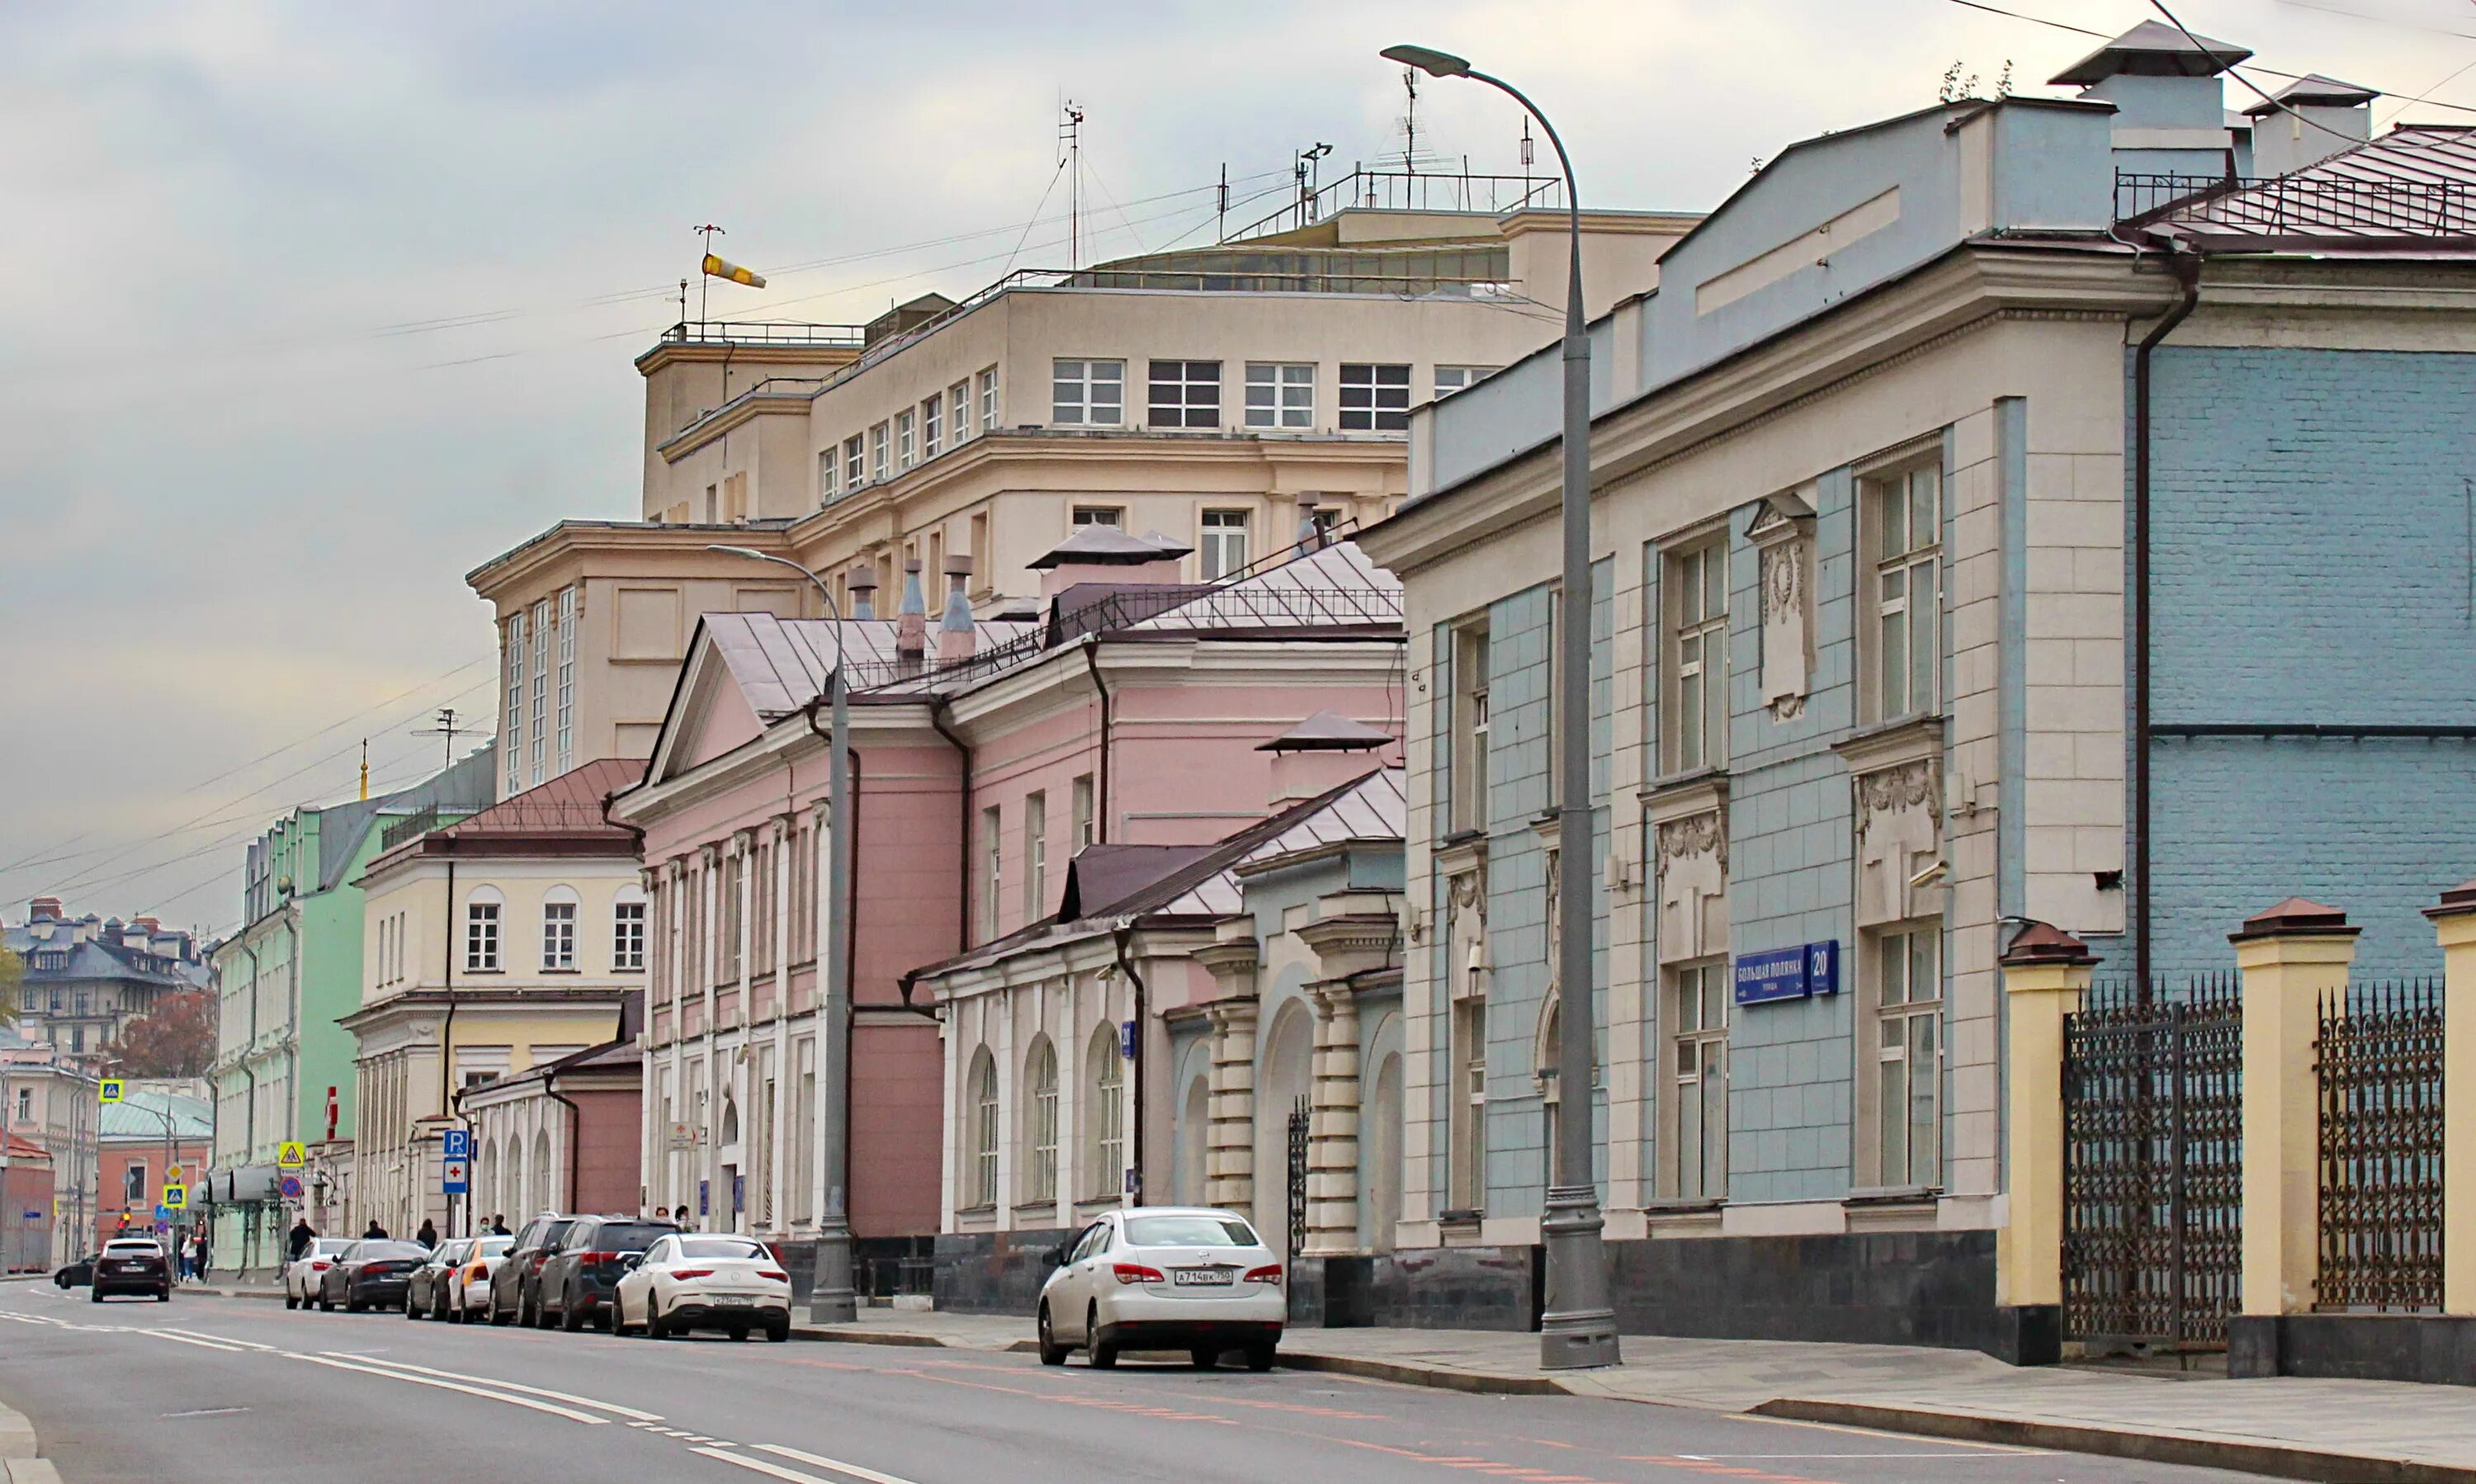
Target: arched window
982, 1178
558, 929
1546, 1056
1104, 1117
1040, 1082
729, 1118
482, 907
545, 1192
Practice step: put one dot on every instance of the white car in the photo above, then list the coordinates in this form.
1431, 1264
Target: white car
694, 1281
303, 1274
469, 1287
1164, 1279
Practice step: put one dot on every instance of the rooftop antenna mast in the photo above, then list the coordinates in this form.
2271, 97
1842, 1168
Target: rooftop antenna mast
1070, 127
1222, 202
707, 232
447, 727
1307, 174
1410, 122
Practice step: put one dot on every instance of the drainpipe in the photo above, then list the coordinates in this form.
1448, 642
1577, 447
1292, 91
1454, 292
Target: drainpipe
937, 712
575, 1133
1100, 785
2187, 269
1120, 936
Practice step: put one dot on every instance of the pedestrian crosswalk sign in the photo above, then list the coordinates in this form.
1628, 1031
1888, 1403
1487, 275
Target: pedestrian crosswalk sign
176, 1197
290, 1156
111, 1089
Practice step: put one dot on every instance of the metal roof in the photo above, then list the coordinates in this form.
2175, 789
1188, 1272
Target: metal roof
2412, 188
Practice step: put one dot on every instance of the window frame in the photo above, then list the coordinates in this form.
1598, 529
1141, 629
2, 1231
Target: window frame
1194, 398
1466, 377
829, 473
1469, 725
483, 936
1921, 1031
988, 399
626, 948
1889, 504
1703, 983
992, 871
1112, 516
1035, 855
559, 936
1374, 400
1040, 1084
1084, 380
1279, 410
958, 412
854, 461
1215, 530
1694, 647
880, 451
906, 438
982, 1113
933, 425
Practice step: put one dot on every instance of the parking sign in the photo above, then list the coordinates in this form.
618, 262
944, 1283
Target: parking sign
456, 1144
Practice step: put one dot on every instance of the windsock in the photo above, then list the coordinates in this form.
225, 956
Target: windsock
715, 268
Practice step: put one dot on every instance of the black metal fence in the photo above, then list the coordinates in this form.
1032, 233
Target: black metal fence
1297, 1177
2153, 1163
2304, 205
2378, 1060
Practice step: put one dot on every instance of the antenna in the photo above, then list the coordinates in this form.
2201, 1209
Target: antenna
1222, 202
684, 301
1308, 175
707, 232
1410, 122
1070, 127
448, 726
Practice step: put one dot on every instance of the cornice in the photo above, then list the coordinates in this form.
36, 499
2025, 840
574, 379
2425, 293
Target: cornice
736, 413
580, 541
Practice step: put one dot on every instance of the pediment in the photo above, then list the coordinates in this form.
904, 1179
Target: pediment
1777, 516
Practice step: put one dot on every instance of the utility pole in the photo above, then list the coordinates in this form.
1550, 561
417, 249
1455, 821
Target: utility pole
1071, 130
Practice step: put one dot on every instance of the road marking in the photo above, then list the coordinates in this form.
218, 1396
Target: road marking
630, 1413
212, 1344
870, 1475
1777, 1457
200, 1412
470, 1391
194, 1334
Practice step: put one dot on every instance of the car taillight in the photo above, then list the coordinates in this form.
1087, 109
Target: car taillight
477, 1270
692, 1273
320, 1267
598, 1257
769, 1273
1269, 1273
1137, 1273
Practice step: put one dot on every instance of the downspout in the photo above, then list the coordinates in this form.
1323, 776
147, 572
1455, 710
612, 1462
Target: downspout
1100, 787
2187, 269
963, 872
575, 1133
1120, 936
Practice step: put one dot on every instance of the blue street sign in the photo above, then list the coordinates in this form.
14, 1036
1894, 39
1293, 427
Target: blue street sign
1823, 968
1127, 1039
455, 1177
163, 1213
455, 1143
1797, 973
704, 1192
29, 1216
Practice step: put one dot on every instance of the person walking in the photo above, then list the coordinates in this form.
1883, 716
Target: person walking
499, 1226
376, 1233
428, 1235
300, 1239
205, 1247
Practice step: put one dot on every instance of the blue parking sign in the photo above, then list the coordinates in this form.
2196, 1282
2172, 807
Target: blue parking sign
455, 1143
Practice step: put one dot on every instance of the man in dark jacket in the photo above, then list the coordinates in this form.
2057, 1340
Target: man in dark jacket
302, 1237
376, 1233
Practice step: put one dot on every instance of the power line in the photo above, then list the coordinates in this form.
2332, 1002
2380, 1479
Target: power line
2235, 72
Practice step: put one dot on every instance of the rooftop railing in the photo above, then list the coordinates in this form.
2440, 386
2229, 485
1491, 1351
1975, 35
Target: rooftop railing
2304, 205
1410, 190
753, 332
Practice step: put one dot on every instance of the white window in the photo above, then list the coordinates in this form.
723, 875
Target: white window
541, 723
1698, 1059
1185, 394
1452, 379
1085, 393
482, 937
989, 400
1908, 1081
992, 873
1035, 856
1908, 598
1280, 394
1469, 727
1099, 515
513, 710
905, 447
628, 937
1041, 1077
958, 410
566, 679
1698, 652
1467, 1161
1105, 1118
881, 446
829, 475
855, 463
1225, 543
1375, 398
983, 1190
932, 427
1082, 833
559, 936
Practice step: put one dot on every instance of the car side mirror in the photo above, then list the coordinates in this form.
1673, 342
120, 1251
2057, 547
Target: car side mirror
1055, 1258
632, 1261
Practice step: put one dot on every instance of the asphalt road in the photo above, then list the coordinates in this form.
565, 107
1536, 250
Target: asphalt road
208, 1390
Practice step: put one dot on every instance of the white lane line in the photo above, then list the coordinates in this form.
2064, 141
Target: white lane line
612, 1407
760, 1466
166, 1417
209, 1345
470, 1391
853, 1469
199, 1334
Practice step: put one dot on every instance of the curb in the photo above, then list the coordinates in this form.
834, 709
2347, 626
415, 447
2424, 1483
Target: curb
230, 1293
2274, 1460
907, 1339
18, 1464
1434, 1378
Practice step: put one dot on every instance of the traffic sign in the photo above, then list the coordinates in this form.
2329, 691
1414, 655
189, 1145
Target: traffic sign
163, 1213
111, 1089
176, 1197
454, 1178
290, 1155
456, 1144
291, 1187
172, 1175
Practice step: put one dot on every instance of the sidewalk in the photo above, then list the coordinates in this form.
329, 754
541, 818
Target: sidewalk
18, 1464
2289, 1428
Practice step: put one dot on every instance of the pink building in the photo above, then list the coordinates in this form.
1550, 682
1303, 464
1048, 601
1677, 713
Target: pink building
1129, 709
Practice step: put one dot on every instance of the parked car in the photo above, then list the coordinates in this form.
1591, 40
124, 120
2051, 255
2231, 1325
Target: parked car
78, 1274
576, 1278
455, 1284
690, 1281
514, 1284
132, 1265
301, 1274
1164, 1279
370, 1273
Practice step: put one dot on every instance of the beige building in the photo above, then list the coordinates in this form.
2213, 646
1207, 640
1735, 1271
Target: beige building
1221, 397
494, 945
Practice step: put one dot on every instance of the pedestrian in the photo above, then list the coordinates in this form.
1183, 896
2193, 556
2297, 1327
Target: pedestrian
205, 1247
376, 1233
182, 1257
428, 1235
499, 1226
299, 1241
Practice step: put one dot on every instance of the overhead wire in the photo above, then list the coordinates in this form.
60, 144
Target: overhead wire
2232, 71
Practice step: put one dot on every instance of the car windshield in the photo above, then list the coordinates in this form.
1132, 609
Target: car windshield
629, 1236
380, 1251
331, 1246
496, 1247
1189, 1231
131, 1249
708, 1249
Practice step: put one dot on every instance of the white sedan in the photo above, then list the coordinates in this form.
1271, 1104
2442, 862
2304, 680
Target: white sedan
303, 1274
463, 1294
1164, 1279
690, 1281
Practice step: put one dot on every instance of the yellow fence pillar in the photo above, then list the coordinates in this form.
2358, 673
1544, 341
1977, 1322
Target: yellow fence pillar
2454, 923
2045, 973
2291, 955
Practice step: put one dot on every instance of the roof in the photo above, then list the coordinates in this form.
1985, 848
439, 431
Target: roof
2405, 189
2315, 91
470, 783
1327, 731
781, 664
94, 960
568, 811
23, 1149
1108, 546
2152, 49
141, 1112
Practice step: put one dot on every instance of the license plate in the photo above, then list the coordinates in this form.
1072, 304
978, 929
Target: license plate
1201, 1278
734, 1301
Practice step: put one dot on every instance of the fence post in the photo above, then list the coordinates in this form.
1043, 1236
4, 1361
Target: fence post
2289, 955
2454, 923
2045, 973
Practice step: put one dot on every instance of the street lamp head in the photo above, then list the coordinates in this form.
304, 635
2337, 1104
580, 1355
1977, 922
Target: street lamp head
739, 550
1428, 60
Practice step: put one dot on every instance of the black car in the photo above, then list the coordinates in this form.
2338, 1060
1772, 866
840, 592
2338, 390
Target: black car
515, 1287
370, 1273
576, 1278
132, 1265
78, 1274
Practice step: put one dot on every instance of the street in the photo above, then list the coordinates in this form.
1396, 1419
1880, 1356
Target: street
224, 1389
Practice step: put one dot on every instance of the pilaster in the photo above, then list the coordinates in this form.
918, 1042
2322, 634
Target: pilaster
2291, 955
2454, 925
2045, 973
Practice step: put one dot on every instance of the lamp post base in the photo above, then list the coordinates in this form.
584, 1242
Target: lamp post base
831, 1298
1577, 1330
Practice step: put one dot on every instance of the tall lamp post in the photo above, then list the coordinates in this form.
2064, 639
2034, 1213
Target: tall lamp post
1578, 1327
830, 1297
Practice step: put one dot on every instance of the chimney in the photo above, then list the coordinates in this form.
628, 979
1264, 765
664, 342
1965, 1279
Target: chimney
42, 907
863, 582
2322, 117
1310, 535
912, 621
2171, 114
1106, 554
956, 638
1320, 754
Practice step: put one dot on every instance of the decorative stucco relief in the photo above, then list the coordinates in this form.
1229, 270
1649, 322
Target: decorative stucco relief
1466, 932
1782, 534
1899, 835
1693, 887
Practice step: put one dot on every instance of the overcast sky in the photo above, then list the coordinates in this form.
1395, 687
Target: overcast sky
306, 311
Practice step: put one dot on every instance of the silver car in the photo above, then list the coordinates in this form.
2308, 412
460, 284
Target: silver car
1164, 1279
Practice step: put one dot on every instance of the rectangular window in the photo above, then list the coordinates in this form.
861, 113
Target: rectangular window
855, 463
907, 448
1035, 858
1086, 393
989, 400
1099, 515
735, 868
628, 937
482, 937
992, 873
1467, 1159
958, 410
1080, 835
1452, 379
1185, 394
1908, 592
1698, 1059
539, 722
1907, 964
559, 936
880, 451
513, 709
1697, 582
132, 1184
1224, 544
1280, 394
829, 475
1375, 398
566, 679
932, 427
1469, 727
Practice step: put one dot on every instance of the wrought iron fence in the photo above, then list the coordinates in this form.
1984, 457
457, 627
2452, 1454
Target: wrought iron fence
2379, 1062
2297, 205
2153, 1163
1297, 1177
1410, 190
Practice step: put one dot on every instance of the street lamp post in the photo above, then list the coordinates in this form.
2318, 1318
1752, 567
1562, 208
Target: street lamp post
830, 1297
1578, 1326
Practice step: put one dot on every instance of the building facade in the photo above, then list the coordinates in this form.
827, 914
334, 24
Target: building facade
159, 1126
565, 1137
88, 977
49, 1099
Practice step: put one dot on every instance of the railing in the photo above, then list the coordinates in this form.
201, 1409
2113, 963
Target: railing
515, 817
2379, 1064
2303, 205
420, 822
1410, 190
753, 332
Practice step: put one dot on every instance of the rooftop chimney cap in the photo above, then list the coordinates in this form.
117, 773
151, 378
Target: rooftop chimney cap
1106, 546
958, 566
1327, 731
863, 576
2293, 918
2151, 49
2045, 943
911, 564
2315, 91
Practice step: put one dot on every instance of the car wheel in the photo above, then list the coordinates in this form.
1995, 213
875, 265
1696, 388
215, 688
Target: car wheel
1204, 1357
324, 1306
525, 1319
354, 1305
777, 1331
289, 1301
164, 1295
570, 1317
1052, 1353
94, 1296
1105, 1357
657, 1327
1259, 1357
411, 1310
